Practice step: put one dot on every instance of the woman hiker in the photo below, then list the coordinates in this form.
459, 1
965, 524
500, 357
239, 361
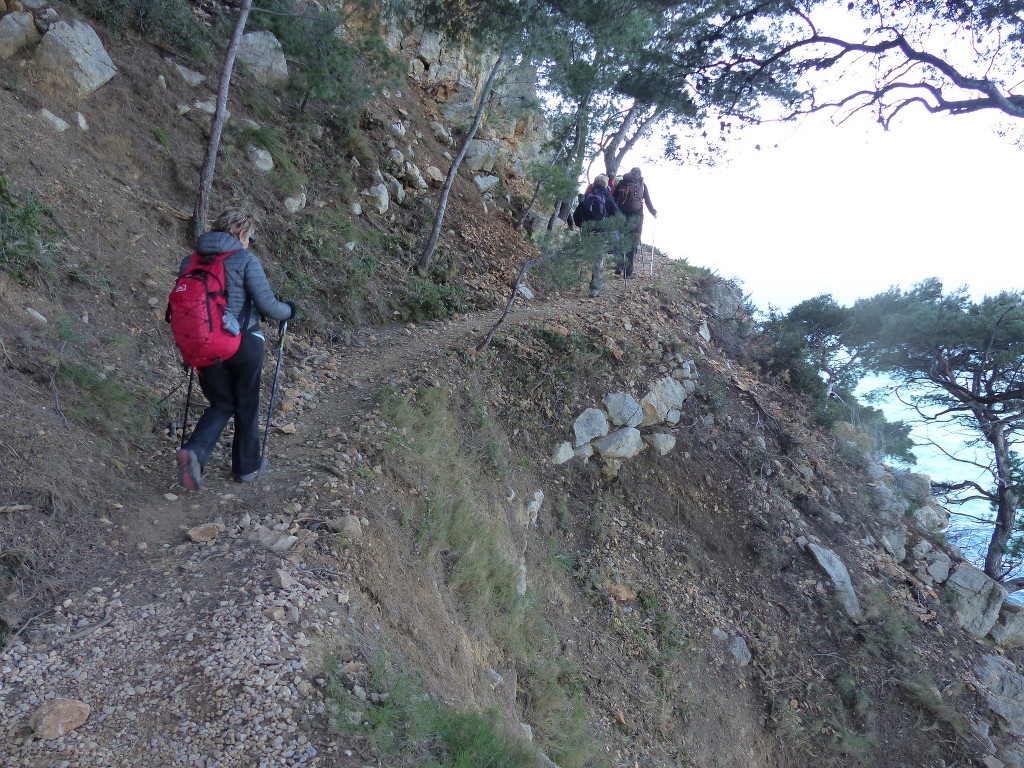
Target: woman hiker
233, 385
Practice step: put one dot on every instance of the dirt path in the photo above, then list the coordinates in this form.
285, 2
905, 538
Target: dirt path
207, 653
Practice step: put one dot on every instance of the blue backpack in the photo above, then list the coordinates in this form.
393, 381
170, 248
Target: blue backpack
592, 207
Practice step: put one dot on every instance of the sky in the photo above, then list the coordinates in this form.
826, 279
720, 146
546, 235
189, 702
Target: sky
849, 210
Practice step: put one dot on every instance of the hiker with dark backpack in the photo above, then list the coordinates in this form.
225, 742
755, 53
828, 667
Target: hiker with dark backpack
214, 312
631, 195
591, 215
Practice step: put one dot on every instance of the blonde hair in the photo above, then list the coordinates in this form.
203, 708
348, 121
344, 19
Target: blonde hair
601, 180
236, 222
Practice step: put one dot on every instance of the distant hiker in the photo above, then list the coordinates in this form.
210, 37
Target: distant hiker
611, 185
596, 206
232, 385
632, 194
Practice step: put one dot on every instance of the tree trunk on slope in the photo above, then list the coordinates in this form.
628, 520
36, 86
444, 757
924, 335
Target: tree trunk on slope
200, 212
1006, 501
428, 250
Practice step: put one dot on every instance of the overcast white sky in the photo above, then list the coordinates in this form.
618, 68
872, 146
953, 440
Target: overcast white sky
849, 210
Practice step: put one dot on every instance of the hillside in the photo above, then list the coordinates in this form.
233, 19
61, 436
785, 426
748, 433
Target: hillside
417, 580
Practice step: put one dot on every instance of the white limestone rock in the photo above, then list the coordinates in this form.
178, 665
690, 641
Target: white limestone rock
662, 444
17, 32
261, 54
836, 570
977, 599
72, 56
623, 409
590, 424
624, 443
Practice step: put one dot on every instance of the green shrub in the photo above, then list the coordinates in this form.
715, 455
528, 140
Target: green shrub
420, 300
26, 229
327, 63
164, 21
411, 725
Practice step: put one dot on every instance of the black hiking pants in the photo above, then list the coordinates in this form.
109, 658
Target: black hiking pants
233, 389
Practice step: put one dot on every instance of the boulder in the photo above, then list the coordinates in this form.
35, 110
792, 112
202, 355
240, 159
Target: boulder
623, 409
624, 443
1008, 631
938, 566
379, 194
414, 176
435, 175
190, 76
17, 31
262, 159
895, 543
1004, 691
486, 183
977, 599
262, 55
56, 717
725, 300
481, 155
875, 472
534, 505
739, 650
915, 486
830, 563
441, 133
590, 424
931, 517
295, 203
60, 124
563, 452
666, 394
72, 56
661, 444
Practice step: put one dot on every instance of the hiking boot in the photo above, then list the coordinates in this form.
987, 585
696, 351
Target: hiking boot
618, 271
630, 276
251, 477
190, 474
595, 294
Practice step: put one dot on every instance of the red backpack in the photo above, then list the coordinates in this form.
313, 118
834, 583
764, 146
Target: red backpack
197, 310
629, 195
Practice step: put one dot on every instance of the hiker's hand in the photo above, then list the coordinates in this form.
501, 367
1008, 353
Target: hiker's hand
295, 310
654, 214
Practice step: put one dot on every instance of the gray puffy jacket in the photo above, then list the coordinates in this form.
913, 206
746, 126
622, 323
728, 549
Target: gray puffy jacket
247, 284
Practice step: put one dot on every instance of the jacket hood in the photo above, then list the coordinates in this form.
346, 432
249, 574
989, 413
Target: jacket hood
215, 243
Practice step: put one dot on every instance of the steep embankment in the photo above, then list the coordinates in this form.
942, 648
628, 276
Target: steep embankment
414, 535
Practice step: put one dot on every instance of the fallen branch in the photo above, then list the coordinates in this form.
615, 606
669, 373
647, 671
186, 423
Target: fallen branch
15, 508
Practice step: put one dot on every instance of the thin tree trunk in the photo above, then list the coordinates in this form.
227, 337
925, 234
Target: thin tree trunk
523, 270
202, 208
428, 250
1006, 503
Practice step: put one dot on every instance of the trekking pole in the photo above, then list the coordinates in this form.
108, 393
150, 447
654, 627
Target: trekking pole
654, 231
188, 402
273, 391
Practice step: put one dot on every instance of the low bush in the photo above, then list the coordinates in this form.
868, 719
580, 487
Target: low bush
26, 231
164, 21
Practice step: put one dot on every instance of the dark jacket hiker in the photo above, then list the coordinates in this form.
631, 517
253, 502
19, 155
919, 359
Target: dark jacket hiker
632, 195
596, 206
232, 385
